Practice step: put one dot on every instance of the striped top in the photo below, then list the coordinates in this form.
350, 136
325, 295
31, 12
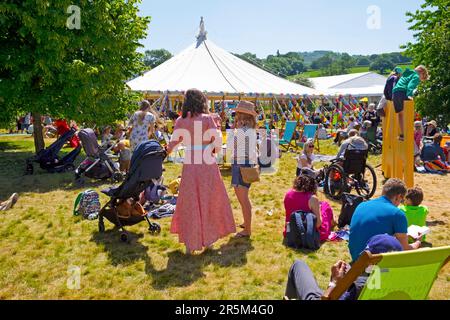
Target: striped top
242, 145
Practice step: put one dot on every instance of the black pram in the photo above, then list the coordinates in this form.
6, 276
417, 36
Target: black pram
146, 166
98, 164
48, 158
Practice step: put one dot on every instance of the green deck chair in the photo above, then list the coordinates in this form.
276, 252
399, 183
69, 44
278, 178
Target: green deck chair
286, 141
406, 275
310, 131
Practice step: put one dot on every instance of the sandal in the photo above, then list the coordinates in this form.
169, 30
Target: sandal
242, 226
401, 137
241, 235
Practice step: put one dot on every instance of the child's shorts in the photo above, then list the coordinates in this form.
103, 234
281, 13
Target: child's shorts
398, 98
236, 177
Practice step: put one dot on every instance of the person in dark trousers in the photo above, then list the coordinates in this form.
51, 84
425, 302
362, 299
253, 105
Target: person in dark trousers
302, 285
388, 87
404, 90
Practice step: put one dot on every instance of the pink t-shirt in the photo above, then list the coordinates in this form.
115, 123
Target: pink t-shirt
294, 201
417, 137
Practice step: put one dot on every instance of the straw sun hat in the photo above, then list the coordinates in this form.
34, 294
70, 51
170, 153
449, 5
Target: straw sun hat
433, 123
246, 107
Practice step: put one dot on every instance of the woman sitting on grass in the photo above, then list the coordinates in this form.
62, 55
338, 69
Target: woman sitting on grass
303, 197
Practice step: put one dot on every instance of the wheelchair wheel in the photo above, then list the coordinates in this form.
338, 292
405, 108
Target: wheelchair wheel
367, 183
334, 183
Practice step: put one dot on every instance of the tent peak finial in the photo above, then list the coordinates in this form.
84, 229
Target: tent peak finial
202, 33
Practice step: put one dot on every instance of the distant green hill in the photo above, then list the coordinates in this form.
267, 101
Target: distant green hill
317, 73
309, 57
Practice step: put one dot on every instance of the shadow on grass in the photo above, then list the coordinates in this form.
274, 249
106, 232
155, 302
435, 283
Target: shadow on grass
120, 252
14, 179
182, 270
435, 223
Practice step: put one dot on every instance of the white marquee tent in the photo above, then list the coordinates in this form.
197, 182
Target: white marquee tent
209, 68
366, 84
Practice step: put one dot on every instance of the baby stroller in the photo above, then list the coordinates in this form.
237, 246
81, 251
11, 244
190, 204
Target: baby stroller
98, 164
48, 158
146, 166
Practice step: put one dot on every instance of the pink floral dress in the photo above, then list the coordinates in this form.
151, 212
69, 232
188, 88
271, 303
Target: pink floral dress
203, 213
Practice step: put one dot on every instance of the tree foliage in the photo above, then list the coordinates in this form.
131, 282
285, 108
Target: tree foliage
382, 64
153, 58
79, 74
432, 48
300, 79
282, 65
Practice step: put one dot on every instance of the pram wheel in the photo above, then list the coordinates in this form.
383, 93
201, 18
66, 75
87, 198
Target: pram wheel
124, 237
69, 168
154, 228
117, 177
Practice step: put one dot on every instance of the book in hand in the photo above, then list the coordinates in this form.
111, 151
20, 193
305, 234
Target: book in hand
417, 232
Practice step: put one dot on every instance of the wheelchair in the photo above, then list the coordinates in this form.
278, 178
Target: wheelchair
351, 173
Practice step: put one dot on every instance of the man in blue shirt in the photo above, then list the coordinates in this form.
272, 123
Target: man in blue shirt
380, 216
431, 151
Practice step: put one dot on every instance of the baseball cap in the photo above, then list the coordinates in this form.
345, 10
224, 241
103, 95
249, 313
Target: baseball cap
383, 243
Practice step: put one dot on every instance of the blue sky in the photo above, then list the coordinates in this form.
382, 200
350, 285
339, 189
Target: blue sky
263, 26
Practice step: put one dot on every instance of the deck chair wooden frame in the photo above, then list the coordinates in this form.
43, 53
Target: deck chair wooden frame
286, 142
315, 137
366, 259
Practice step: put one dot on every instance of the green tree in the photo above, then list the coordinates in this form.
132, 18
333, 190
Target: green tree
431, 48
382, 64
363, 62
300, 79
153, 58
69, 62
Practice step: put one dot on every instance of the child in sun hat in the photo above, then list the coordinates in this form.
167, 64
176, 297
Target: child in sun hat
244, 153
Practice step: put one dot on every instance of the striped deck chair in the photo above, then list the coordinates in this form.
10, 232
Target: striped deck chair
310, 131
286, 141
406, 275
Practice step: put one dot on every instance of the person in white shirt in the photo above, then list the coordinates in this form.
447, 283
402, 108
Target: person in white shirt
306, 158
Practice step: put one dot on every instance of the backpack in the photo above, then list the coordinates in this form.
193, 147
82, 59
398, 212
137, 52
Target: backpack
87, 204
301, 231
349, 204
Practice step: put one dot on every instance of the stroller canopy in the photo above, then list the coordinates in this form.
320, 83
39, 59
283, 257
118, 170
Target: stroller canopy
89, 142
146, 165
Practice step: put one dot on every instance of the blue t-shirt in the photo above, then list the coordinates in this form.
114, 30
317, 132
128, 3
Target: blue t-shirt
378, 216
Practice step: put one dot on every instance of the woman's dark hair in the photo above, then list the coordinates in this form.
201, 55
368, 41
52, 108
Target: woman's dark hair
304, 183
195, 102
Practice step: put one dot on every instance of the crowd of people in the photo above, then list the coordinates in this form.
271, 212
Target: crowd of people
203, 211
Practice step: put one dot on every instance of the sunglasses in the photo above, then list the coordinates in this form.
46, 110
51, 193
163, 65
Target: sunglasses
310, 147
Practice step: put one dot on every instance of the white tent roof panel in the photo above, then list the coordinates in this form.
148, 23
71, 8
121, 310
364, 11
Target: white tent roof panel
209, 68
358, 84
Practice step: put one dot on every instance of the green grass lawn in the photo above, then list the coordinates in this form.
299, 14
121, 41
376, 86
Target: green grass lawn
41, 241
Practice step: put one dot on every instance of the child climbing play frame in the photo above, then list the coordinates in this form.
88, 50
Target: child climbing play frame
398, 156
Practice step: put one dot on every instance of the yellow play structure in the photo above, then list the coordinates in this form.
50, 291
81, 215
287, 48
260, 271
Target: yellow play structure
398, 156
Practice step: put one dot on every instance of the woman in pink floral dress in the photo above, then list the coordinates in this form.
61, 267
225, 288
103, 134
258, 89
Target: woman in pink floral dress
203, 213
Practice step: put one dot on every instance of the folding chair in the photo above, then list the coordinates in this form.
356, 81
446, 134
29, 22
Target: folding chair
406, 275
179, 149
310, 131
286, 141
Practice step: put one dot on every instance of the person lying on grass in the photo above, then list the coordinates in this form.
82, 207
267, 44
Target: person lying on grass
302, 285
